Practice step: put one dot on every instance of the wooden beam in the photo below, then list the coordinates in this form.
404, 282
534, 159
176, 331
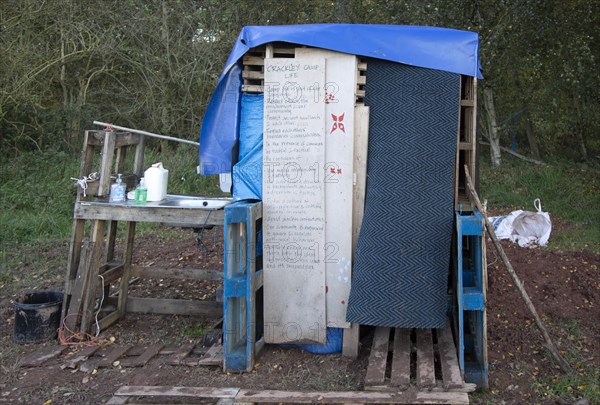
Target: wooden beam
144, 358
378, 358
88, 291
138, 161
276, 396
400, 376
351, 339
41, 356
199, 392
451, 374
171, 306
113, 272
122, 139
253, 74
127, 257
522, 157
175, 273
425, 362
147, 213
108, 151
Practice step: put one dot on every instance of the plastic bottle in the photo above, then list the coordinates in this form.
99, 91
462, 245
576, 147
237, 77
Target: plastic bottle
117, 190
141, 193
156, 178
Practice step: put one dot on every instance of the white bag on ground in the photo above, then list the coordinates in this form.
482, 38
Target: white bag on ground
526, 228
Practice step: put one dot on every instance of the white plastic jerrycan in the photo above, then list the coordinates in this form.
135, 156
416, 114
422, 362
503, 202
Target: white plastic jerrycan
156, 177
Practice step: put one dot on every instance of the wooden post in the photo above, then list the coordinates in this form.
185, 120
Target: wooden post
127, 257
351, 338
492, 126
78, 227
138, 161
108, 151
516, 280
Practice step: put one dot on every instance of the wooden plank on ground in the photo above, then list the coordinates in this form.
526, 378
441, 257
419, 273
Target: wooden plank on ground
182, 352
378, 358
113, 356
401, 359
172, 306
359, 397
41, 356
238, 396
425, 362
80, 356
451, 374
115, 400
197, 392
144, 358
213, 357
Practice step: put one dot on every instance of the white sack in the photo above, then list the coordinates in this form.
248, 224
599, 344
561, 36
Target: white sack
526, 228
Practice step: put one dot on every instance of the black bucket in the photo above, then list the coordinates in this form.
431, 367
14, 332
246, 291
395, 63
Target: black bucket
37, 316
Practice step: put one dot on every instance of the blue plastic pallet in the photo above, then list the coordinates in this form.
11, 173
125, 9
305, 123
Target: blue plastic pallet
242, 281
470, 317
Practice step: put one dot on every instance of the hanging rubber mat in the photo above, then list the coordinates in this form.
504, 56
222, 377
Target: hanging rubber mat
402, 258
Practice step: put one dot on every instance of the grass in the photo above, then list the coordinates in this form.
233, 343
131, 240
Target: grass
585, 381
37, 195
195, 331
570, 193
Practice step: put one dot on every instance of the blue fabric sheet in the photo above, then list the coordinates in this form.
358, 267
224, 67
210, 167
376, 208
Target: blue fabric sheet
400, 272
429, 47
247, 173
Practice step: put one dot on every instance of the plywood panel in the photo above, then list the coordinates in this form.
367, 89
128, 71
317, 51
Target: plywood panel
339, 98
294, 201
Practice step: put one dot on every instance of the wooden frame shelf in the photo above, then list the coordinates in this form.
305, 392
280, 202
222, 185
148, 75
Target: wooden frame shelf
92, 265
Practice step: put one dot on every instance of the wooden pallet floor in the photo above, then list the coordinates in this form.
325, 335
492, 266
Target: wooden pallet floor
89, 358
406, 366
421, 358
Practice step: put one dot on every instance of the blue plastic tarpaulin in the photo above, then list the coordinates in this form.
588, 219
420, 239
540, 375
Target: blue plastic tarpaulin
429, 47
247, 172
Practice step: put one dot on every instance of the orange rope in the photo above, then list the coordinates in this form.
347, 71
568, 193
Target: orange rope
68, 337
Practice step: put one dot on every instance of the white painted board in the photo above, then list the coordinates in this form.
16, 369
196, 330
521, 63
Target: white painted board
339, 96
294, 201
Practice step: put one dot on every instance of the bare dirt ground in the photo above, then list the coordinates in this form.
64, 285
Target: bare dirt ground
565, 287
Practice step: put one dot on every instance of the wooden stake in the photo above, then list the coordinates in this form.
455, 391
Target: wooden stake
522, 157
490, 229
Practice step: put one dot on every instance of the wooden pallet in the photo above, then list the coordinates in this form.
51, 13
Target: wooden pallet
87, 359
253, 74
424, 359
466, 143
150, 394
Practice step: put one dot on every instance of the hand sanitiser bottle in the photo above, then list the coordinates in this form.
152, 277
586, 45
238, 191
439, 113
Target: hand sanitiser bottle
141, 193
117, 190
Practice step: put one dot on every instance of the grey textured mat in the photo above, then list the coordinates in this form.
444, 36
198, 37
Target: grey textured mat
401, 264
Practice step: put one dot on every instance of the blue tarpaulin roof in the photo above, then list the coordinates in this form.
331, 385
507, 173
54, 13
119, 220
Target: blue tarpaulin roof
429, 47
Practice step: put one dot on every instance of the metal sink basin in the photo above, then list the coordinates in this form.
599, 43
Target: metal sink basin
184, 201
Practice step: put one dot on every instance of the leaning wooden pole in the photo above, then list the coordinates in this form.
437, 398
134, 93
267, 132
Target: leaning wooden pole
517, 281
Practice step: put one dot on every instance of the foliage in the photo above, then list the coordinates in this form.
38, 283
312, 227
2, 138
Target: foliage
153, 64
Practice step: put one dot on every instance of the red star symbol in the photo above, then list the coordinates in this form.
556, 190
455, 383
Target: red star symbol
338, 123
